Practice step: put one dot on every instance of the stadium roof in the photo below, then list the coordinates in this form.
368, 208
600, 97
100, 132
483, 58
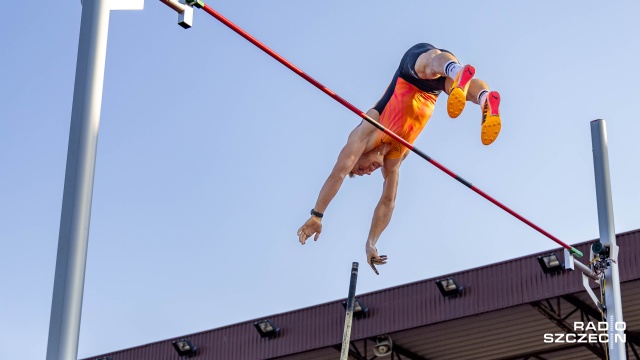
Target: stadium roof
504, 311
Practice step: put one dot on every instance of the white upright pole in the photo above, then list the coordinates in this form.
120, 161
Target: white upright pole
66, 305
611, 280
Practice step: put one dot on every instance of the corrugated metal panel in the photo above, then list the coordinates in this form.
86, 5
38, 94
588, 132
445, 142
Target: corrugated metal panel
508, 333
500, 286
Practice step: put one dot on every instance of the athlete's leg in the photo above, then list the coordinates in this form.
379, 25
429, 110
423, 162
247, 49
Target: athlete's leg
461, 87
476, 86
458, 91
431, 64
489, 102
436, 63
491, 124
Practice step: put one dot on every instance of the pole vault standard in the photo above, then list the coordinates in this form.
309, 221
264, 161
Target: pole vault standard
608, 251
603, 258
68, 287
186, 8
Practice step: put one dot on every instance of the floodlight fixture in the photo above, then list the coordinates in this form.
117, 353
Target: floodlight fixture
599, 249
266, 328
184, 347
550, 263
449, 287
359, 310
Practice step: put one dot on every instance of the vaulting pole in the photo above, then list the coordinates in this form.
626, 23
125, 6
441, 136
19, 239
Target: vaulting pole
379, 126
346, 337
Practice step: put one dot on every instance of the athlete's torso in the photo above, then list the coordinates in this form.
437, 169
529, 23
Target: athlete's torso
408, 102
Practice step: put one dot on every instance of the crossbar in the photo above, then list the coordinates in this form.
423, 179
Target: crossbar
380, 127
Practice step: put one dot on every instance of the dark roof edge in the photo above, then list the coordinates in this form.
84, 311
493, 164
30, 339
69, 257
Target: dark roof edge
342, 299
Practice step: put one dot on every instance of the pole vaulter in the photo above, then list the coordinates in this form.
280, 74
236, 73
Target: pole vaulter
186, 15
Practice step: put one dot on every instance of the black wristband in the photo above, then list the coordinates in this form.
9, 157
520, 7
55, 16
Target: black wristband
315, 213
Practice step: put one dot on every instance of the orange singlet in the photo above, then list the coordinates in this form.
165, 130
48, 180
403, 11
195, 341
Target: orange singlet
406, 114
408, 102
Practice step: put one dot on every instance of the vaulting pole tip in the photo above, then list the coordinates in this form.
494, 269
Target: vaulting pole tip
346, 337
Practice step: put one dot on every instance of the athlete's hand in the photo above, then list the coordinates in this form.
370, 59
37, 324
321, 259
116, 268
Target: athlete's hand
312, 226
373, 259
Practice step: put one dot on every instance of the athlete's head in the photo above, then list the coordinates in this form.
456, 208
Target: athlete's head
368, 163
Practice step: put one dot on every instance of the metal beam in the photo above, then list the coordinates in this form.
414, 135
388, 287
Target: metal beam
586, 308
538, 354
406, 353
633, 337
355, 353
635, 340
352, 353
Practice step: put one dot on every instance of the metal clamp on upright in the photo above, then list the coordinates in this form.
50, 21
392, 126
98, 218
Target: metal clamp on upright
588, 272
184, 8
602, 257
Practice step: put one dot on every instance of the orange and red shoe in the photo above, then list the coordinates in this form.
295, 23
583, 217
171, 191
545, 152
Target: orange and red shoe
491, 125
458, 91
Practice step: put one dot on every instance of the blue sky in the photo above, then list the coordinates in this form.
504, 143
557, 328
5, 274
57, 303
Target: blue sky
211, 154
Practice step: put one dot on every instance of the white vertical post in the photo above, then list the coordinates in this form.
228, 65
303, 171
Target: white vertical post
611, 280
66, 305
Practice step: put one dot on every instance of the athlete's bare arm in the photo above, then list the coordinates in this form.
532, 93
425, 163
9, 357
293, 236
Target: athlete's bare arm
358, 142
383, 211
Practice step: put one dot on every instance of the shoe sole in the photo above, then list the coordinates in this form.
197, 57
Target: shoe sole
492, 125
458, 96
